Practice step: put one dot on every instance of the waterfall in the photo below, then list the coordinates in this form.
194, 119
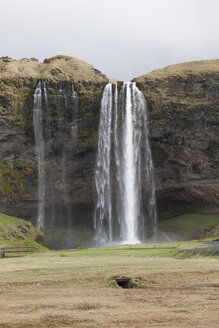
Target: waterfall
67, 112
102, 172
56, 133
45, 95
125, 209
62, 108
39, 150
74, 129
74, 101
130, 193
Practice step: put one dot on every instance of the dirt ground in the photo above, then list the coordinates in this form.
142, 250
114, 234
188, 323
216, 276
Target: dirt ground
170, 293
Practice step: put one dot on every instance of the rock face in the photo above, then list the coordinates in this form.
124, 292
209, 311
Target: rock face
183, 103
18, 162
184, 129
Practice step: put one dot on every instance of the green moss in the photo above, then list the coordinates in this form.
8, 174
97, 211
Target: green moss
14, 176
192, 226
17, 232
17, 101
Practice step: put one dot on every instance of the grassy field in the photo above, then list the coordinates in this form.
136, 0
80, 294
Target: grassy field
77, 288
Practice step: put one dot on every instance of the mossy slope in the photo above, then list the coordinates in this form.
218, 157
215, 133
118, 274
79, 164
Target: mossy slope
19, 233
192, 226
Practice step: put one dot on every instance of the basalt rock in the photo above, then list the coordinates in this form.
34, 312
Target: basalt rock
183, 106
18, 162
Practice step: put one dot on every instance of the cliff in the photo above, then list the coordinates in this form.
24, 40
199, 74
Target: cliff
183, 107
18, 161
184, 132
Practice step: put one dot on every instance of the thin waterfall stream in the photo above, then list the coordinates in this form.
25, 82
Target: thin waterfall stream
67, 111
39, 150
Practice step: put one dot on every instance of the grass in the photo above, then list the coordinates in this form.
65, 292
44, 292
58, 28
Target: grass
57, 68
192, 226
15, 232
87, 306
183, 69
96, 266
196, 254
77, 288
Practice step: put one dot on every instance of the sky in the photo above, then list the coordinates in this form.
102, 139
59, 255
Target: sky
122, 38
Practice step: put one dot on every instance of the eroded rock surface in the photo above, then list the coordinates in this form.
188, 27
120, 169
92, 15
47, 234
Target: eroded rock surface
183, 103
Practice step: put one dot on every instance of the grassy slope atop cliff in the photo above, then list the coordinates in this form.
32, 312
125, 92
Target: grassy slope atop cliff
57, 68
16, 232
181, 87
183, 69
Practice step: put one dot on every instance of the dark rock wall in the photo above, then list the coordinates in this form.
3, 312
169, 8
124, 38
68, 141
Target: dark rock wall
184, 131
18, 162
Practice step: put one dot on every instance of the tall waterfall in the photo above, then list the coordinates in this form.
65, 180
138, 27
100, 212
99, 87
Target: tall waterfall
39, 149
103, 215
125, 189
130, 174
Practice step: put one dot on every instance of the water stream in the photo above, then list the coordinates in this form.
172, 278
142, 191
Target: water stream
39, 150
125, 210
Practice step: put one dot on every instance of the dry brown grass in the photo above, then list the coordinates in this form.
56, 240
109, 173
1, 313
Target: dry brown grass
46, 290
56, 68
183, 69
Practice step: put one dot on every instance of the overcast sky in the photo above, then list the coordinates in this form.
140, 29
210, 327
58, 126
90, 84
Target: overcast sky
122, 38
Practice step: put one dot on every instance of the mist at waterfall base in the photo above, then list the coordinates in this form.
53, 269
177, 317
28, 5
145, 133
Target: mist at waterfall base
125, 210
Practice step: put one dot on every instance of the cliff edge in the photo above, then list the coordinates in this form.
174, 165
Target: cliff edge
57, 68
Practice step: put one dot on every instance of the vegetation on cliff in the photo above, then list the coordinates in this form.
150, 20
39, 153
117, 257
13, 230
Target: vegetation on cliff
15, 177
183, 69
19, 78
56, 69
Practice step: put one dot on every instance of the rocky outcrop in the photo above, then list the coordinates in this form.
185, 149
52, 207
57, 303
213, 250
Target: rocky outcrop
183, 104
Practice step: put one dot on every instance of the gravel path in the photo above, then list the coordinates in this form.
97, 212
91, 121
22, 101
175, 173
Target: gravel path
212, 245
